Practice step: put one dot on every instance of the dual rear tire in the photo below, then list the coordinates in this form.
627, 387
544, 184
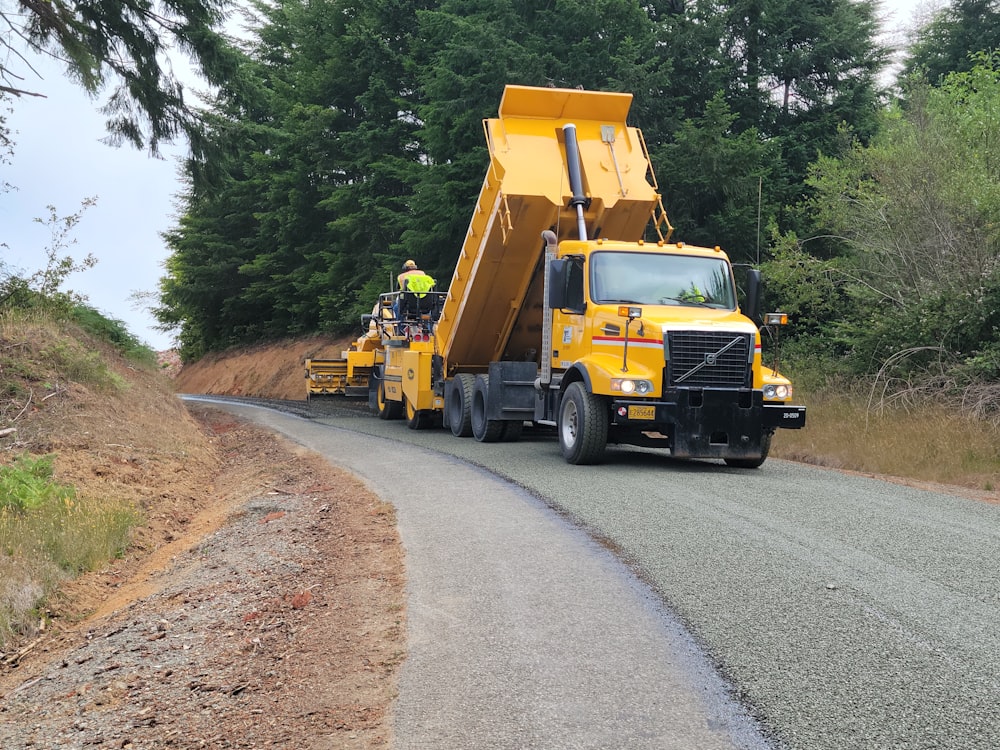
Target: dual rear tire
467, 412
460, 405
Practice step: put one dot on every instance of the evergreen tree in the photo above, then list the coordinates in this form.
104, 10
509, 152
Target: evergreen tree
790, 74
352, 139
123, 41
314, 163
947, 44
468, 51
715, 180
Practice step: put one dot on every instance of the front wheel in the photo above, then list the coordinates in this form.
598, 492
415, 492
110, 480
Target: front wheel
753, 463
418, 419
387, 409
583, 425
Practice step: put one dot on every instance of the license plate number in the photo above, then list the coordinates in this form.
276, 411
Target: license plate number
642, 412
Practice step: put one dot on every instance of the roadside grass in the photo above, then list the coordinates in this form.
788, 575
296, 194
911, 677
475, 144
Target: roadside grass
49, 533
60, 384
928, 443
38, 350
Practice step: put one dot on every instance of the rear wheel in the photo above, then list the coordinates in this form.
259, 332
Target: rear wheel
483, 429
583, 425
460, 405
753, 463
387, 409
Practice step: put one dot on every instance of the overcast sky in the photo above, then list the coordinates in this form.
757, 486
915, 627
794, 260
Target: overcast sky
59, 160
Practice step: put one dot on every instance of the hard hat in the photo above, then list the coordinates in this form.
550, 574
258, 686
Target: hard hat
409, 264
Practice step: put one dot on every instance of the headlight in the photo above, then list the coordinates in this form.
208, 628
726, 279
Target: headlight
778, 392
627, 385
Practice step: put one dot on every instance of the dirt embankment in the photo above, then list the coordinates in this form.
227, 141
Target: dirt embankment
260, 601
266, 371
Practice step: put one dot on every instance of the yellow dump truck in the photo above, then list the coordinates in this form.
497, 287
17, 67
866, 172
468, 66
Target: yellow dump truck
562, 312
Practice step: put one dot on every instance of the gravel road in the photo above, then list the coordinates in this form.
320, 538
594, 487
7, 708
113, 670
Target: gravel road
522, 631
844, 612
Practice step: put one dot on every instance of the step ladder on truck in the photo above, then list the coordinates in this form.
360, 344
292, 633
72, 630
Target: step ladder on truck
561, 313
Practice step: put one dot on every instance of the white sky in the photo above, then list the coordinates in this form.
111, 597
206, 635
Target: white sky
59, 160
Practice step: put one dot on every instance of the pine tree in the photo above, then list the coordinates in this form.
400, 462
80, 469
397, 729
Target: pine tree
947, 44
125, 42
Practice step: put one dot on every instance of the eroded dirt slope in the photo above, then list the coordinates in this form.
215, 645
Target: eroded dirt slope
274, 619
266, 371
259, 604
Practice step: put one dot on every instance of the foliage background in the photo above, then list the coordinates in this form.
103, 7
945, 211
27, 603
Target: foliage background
344, 136
354, 140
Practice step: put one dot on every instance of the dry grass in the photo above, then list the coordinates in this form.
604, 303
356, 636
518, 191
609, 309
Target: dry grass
121, 439
23, 583
927, 443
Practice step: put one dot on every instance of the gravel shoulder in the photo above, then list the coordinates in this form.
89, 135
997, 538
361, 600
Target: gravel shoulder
275, 619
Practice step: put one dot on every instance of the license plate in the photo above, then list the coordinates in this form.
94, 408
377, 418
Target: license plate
642, 412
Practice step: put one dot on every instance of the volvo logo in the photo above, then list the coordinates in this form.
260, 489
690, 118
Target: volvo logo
711, 359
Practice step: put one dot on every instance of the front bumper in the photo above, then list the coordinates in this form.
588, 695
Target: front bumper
703, 423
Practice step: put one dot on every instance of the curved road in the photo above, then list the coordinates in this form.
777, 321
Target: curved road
842, 612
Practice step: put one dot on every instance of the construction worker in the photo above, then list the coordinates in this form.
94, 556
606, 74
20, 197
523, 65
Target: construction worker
412, 279
693, 295
409, 269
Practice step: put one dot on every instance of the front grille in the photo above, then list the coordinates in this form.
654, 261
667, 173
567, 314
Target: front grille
708, 359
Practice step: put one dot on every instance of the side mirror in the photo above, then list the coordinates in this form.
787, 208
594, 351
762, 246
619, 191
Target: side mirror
566, 284
755, 287
558, 283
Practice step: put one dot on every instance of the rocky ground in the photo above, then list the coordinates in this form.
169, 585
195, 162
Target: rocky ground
271, 615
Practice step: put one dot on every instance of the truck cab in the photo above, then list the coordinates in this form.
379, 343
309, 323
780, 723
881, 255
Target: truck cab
654, 334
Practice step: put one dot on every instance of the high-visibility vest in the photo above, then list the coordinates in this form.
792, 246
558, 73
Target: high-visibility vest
419, 284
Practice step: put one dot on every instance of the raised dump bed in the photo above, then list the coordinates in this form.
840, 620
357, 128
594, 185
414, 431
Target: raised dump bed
527, 189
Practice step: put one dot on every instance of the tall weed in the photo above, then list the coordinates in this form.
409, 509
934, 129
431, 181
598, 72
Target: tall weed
23, 583
46, 533
925, 442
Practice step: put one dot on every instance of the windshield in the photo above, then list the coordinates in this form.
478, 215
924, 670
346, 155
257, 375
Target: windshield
661, 279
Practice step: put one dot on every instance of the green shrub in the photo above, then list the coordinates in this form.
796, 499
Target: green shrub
28, 484
114, 332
